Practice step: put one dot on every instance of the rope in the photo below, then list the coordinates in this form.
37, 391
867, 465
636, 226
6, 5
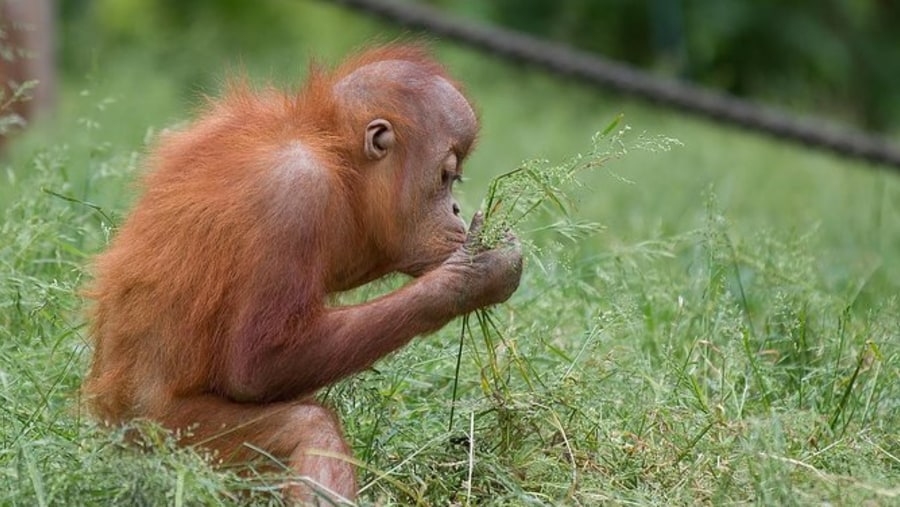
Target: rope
602, 72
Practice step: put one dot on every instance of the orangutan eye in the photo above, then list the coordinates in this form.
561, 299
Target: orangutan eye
448, 178
450, 171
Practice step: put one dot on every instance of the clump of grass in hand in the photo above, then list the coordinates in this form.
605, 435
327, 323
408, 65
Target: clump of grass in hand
534, 185
511, 198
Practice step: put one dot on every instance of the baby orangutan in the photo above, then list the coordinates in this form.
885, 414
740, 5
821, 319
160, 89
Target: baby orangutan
211, 310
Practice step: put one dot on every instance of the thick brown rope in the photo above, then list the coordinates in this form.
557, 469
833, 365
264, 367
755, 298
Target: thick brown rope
599, 71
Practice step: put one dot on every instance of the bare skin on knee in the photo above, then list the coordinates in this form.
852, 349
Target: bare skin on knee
318, 456
302, 435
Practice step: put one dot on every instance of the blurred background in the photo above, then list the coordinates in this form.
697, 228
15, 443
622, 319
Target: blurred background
838, 58
115, 72
834, 57
124, 69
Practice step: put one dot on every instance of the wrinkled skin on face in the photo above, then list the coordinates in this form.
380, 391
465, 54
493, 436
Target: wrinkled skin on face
426, 156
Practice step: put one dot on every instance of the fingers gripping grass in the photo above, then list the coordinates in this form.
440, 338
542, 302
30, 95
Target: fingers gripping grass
512, 197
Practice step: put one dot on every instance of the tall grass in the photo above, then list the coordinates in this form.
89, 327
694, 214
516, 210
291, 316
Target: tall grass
515, 196
729, 335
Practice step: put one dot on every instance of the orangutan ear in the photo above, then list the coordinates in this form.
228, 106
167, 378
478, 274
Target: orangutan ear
379, 139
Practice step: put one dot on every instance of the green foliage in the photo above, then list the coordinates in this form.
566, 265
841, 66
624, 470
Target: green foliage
839, 56
538, 185
729, 336
512, 198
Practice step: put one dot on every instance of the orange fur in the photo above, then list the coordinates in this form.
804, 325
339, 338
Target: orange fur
210, 305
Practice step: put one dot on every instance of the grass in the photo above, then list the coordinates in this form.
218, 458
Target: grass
729, 336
